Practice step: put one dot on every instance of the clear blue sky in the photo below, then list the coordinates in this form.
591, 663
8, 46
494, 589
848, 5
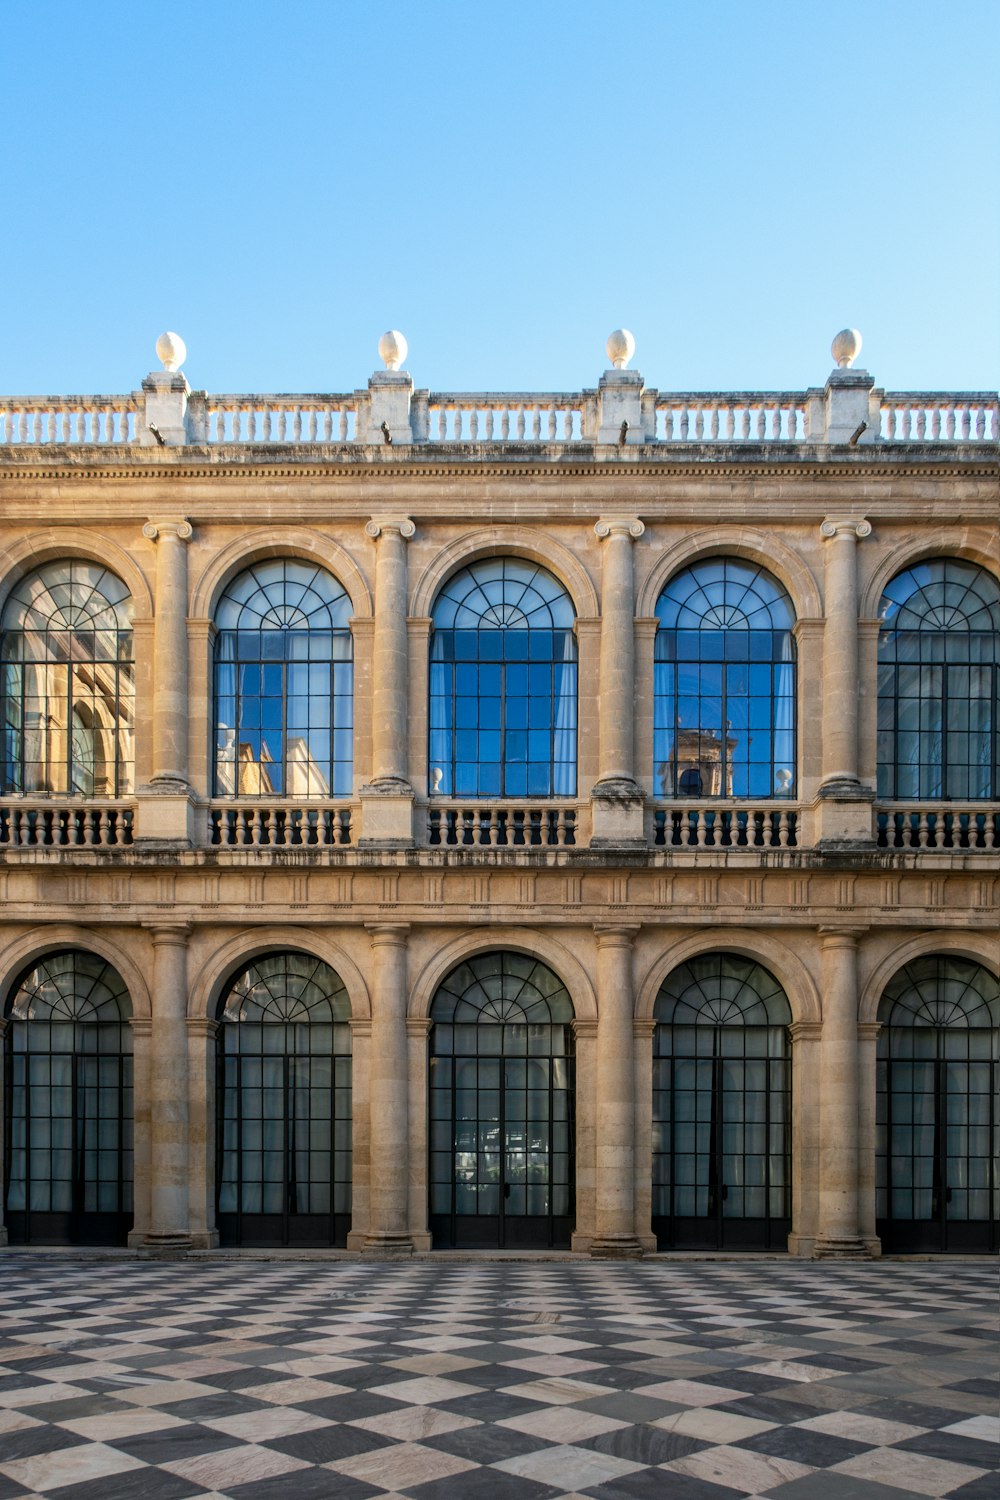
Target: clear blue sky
505, 183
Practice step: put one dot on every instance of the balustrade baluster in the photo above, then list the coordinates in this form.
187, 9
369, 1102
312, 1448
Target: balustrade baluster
921, 424
949, 423
552, 424
981, 422
761, 419
536, 425
683, 424
714, 427
700, 829
699, 424
923, 831
567, 426
474, 424
504, 425
493, 837
488, 417
935, 429
343, 426
784, 829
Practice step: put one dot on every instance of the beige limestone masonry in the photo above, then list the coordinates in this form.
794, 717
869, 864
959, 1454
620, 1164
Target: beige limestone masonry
832, 915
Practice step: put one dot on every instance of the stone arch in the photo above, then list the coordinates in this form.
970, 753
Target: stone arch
540, 946
40, 547
238, 951
788, 969
507, 541
27, 949
942, 541
764, 548
970, 945
287, 541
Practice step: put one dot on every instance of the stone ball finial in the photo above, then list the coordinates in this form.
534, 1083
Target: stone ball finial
846, 347
392, 349
171, 351
620, 347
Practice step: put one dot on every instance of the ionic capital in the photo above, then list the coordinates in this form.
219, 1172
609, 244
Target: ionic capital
181, 529
390, 525
629, 526
856, 530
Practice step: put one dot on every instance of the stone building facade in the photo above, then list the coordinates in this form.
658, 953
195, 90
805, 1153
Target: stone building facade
486, 820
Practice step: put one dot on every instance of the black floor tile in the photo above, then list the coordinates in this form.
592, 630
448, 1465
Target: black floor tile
818, 1449
28, 1441
327, 1445
662, 1484
135, 1484
486, 1444
482, 1484
955, 1447
644, 1445
171, 1444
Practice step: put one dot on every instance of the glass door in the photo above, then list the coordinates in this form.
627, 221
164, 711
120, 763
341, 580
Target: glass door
501, 1097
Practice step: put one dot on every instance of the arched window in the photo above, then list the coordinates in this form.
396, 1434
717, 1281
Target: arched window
938, 1132
501, 1106
721, 1107
503, 684
284, 1101
69, 1103
939, 683
724, 705
68, 684
284, 684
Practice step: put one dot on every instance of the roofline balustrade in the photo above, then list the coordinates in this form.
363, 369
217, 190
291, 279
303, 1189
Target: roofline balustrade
620, 412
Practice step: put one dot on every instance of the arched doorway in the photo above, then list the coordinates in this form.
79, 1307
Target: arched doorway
502, 1126
938, 1184
69, 1104
721, 1108
283, 1134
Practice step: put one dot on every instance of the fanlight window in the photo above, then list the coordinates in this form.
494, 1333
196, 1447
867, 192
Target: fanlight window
938, 1120
69, 1108
503, 692
724, 685
68, 683
284, 1098
939, 683
284, 684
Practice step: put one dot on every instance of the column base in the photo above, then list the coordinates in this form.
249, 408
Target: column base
387, 1246
165, 1246
836, 1247
615, 1247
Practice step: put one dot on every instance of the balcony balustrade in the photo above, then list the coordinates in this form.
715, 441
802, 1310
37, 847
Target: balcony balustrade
754, 825
502, 826
31, 824
279, 825
944, 826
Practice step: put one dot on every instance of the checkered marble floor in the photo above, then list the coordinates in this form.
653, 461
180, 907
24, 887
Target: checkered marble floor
679, 1380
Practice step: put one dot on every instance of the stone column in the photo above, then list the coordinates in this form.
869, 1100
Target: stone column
806, 1075
169, 1118
615, 1237
142, 1029
170, 652
867, 1128
840, 782
839, 1229
202, 1033
3, 1122
388, 799
585, 1039
617, 797
166, 809
388, 1223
